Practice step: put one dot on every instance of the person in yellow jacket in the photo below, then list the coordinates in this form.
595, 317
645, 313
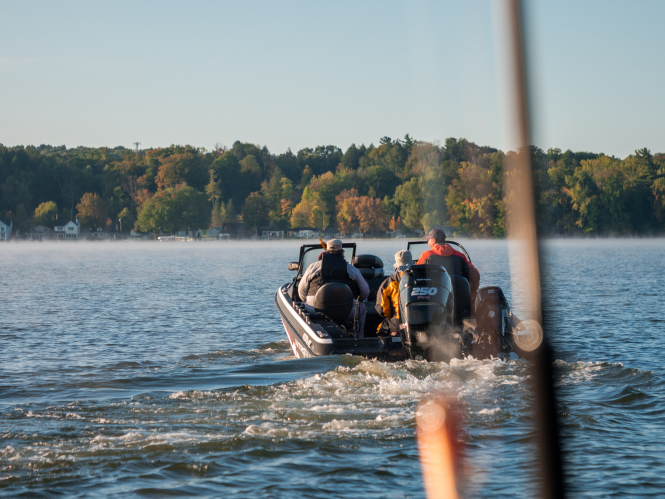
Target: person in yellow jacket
387, 297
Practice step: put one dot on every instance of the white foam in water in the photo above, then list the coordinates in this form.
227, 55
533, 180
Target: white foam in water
371, 399
582, 372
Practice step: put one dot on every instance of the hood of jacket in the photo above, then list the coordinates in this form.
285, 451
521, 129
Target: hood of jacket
447, 250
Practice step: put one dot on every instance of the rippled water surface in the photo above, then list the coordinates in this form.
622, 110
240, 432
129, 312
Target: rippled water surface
145, 369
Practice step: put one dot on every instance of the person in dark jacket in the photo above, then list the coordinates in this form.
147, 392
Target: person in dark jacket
387, 297
452, 260
332, 267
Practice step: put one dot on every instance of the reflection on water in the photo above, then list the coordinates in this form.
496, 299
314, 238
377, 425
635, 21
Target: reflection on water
148, 368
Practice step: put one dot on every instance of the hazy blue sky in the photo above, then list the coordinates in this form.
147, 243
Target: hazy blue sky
303, 73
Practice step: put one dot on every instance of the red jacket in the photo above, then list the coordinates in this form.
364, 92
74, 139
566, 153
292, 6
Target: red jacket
466, 268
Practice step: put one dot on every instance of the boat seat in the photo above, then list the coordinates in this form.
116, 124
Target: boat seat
367, 262
462, 293
334, 300
371, 268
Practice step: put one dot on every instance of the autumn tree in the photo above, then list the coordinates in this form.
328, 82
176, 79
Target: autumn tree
92, 210
185, 167
308, 213
371, 215
45, 214
347, 216
470, 200
172, 171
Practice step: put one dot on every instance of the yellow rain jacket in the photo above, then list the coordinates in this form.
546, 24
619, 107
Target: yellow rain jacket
387, 297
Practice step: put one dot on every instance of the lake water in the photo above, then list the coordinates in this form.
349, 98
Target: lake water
148, 369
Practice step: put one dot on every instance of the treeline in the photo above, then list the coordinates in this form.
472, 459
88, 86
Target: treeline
399, 185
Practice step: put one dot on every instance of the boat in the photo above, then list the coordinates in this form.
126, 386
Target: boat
438, 321
312, 335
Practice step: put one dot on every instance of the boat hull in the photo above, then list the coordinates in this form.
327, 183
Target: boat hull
318, 338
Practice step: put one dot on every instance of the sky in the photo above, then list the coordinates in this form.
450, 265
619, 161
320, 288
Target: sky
294, 74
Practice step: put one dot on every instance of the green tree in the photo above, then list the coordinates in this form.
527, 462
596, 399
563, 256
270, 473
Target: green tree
15, 192
255, 211
191, 204
407, 196
174, 209
214, 193
19, 219
213, 190
128, 220
584, 196
230, 214
288, 163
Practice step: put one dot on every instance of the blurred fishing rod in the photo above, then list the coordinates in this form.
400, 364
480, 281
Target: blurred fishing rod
436, 433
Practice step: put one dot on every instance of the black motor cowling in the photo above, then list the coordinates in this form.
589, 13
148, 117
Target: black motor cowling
334, 300
426, 309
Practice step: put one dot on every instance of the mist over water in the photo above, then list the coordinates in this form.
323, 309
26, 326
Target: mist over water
148, 369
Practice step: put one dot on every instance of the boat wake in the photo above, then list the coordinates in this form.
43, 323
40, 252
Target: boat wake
354, 404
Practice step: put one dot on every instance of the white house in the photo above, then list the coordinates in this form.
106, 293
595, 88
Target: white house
5, 230
67, 230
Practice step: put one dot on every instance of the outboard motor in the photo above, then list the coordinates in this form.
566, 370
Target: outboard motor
427, 308
499, 330
492, 318
334, 300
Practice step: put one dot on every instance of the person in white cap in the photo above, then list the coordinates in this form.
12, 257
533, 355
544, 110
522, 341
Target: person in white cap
387, 297
332, 267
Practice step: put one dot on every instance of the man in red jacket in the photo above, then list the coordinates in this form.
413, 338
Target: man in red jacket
453, 261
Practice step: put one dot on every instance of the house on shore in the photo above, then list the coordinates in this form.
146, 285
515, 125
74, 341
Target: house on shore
40, 233
236, 230
99, 233
268, 233
5, 230
303, 232
70, 230
192, 233
330, 232
134, 234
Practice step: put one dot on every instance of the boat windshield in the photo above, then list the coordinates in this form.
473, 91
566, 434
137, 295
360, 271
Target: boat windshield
417, 248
